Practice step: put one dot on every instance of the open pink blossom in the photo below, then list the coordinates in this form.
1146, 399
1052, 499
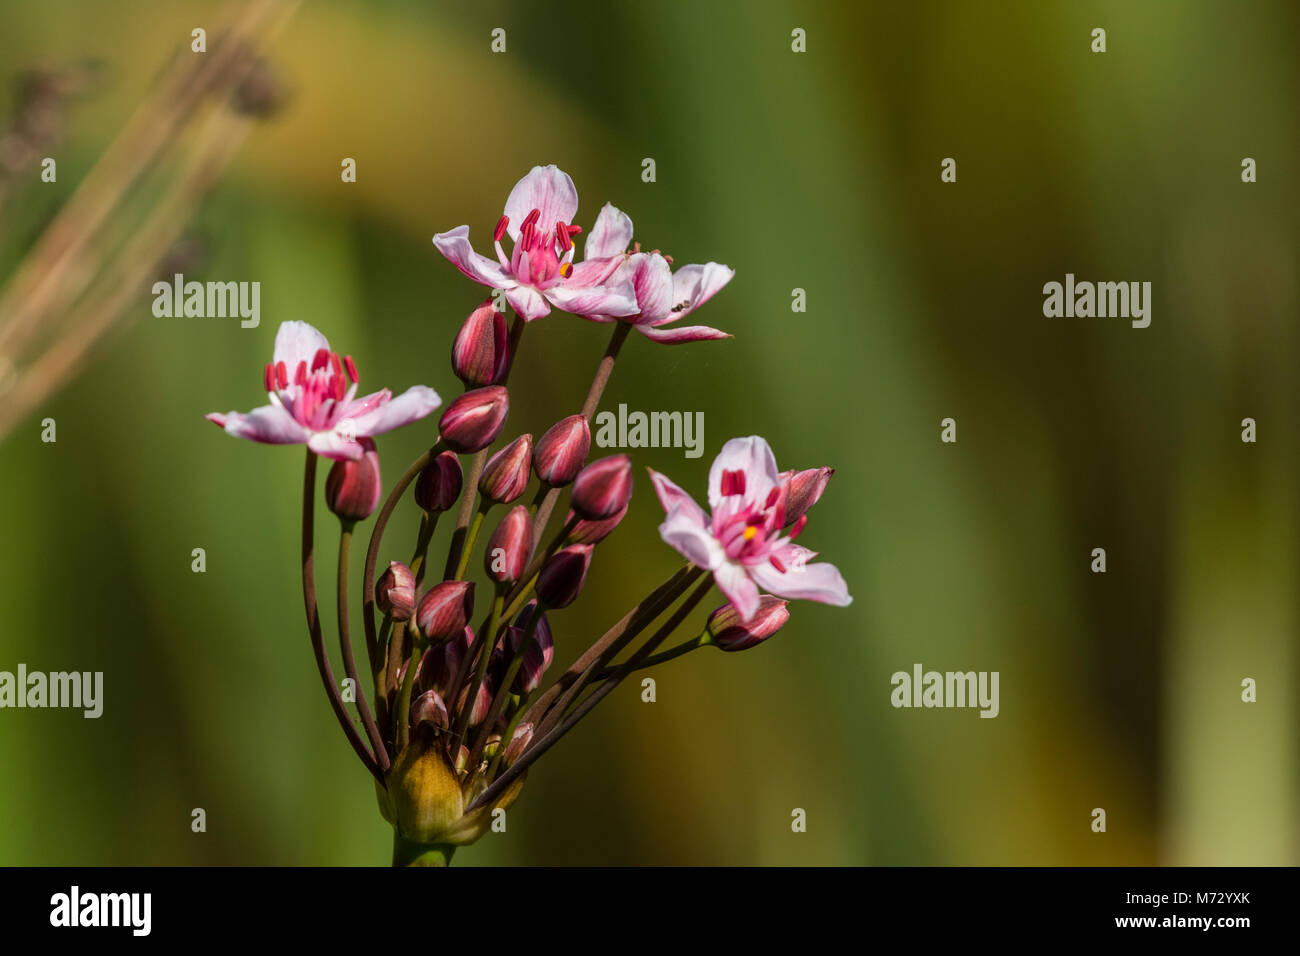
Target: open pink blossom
662, 296
313, 400
742, 542
540, 271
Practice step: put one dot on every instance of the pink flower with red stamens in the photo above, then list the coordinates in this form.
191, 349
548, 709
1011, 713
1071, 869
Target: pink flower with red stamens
662, 296
540, 271
742, 541
313, 400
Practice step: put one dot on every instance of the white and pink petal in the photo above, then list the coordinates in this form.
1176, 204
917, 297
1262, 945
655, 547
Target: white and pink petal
455, 245
821, 582
752, 458
672, 496
297, 342
269, 424
547, 189
610, 235
685, 531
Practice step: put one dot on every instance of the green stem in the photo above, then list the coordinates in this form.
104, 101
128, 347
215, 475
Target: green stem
603, 371
420, 560
502, 695
486, 640
539, 746
313, 620
372, 552
701, 640
345, 648
404, 699
471, 535
409, 853
521, 593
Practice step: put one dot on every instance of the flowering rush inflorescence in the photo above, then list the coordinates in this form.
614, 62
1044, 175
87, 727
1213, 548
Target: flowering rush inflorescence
461, 707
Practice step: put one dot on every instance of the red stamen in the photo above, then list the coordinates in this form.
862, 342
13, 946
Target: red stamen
776, 563
351, 366
772, 496
321, 360
281, 375
574, 230
526, 235
337, 365
532, 217
797, 528
339, 386
562, 237
733, 483
268, 377
300, 376
502, 225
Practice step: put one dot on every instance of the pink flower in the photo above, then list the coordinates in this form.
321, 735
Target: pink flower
742, 542
662, 296
540, 271
313, 400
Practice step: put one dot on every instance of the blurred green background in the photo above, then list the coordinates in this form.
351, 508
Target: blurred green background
818, 171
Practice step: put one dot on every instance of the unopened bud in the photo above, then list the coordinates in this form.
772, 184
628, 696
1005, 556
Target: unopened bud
802, 490
474, 420
510, 547
395, 591
562, 577
505, 476
594, 532
353, 488
481, 352
441, 663
430, 708
445, 609
731, 633
562, 451
439, 484
537, 656
482, 701
603, 488
519, 743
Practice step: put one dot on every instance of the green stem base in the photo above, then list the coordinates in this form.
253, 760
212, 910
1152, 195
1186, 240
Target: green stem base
407, 853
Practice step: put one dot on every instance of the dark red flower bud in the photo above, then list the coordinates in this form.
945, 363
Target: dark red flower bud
481, 352
439, 483
430, 708
594, 532
522, 738
603, 488
441, 664
539, 653
353, 488
802, 490
561, 579
473, 421
510, 547
482, 700
444, 610
395, 591
506, 474
731, 633
562, 451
